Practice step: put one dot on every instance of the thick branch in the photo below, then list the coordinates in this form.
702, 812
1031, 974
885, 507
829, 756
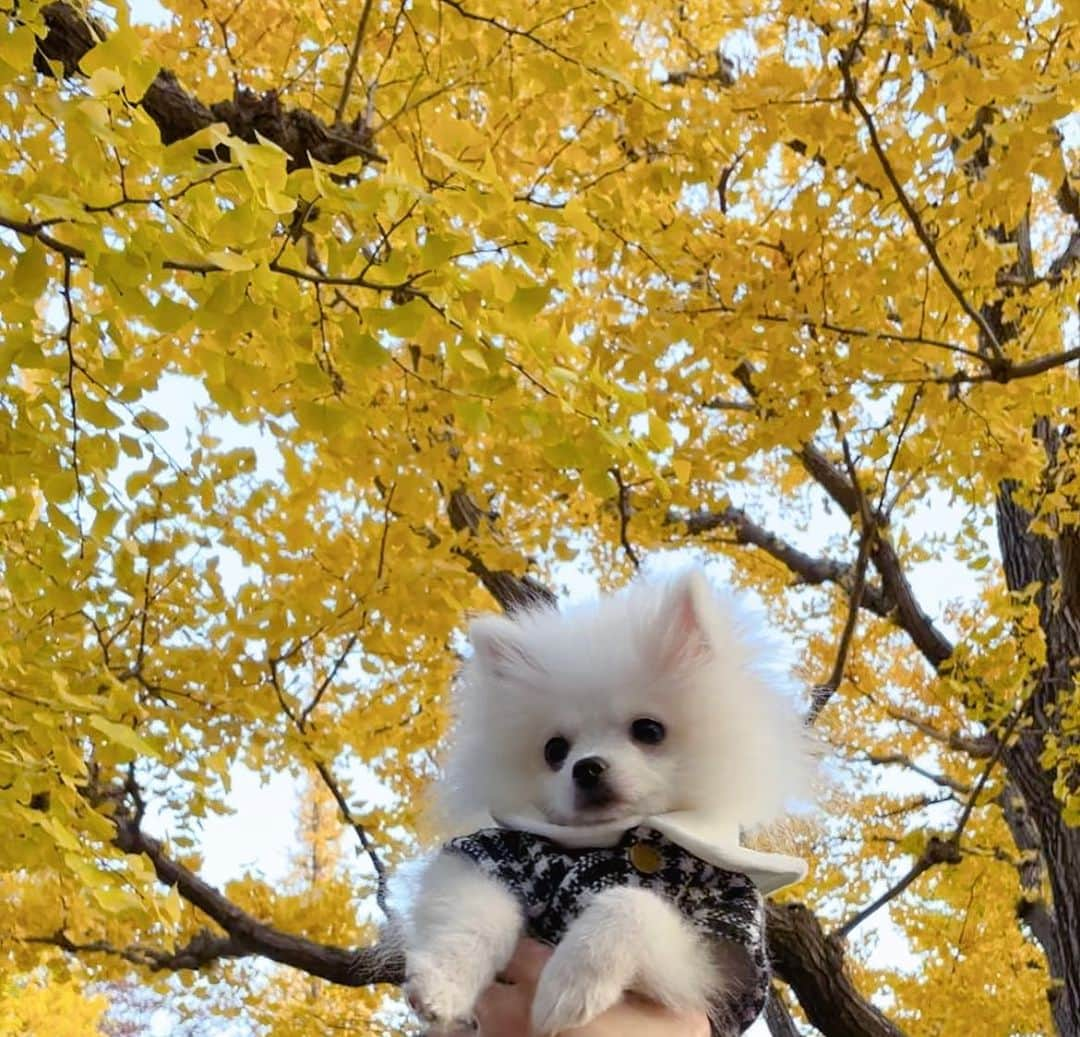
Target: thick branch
514, 593
934, 645
777, 1016
1014, 372
302, 135
957, 16
808, 569
247, 935
812, 964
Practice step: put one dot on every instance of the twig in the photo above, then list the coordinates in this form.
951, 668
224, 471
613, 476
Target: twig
998, 360
321, 690
1002, 742
938, 851
977, 747
369, 848
624, 518
718, 403
73, 366
867, 537
806, 321
899, 759
915, 397
823, 692
354, 56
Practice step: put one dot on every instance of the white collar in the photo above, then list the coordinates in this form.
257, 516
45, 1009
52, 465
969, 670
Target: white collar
712, 840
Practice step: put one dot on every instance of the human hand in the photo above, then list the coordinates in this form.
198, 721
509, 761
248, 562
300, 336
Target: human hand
503, 1009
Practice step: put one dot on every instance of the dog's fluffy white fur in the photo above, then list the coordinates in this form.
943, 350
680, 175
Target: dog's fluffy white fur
732, 749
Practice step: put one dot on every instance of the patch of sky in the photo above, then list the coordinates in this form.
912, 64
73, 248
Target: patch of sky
150, 12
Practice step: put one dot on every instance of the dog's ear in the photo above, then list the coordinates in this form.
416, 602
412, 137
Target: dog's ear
682, 635
499, 646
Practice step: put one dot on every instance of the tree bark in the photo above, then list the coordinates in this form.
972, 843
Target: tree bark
812, 964
302, 135
778, 1018
1032, 559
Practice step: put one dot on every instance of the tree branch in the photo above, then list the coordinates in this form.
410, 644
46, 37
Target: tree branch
814, 325
978, 747
823, 692
354, 57
245, 934
203, 949
625, 512
302, 135
896, 590
937, 851
366, 842
852, 94
897, 759
1013, 372
812, 965
809, 569
399, 290
777, 1016
935, 647
513, 593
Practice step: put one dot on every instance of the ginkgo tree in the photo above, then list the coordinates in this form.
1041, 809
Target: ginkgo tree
462, 291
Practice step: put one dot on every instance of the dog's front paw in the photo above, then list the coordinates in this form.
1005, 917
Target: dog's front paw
573, 990
440, 996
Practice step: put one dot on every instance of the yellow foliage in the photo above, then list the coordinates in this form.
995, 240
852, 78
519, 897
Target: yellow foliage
588, 269
33, 1006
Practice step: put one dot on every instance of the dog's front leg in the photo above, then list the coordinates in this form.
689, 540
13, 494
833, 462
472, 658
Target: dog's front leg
464, 927
626, 939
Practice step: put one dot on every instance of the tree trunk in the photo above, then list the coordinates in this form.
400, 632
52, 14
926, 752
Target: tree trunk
1030, 558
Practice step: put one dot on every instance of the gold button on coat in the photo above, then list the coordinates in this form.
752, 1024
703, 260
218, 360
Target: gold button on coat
647, 859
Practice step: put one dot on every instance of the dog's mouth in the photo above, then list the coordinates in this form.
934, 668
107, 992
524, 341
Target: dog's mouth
598, 816
595, 813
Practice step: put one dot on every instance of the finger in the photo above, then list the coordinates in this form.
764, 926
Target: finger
526, 964
503, 1010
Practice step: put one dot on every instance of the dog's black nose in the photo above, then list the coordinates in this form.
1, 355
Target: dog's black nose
589, 772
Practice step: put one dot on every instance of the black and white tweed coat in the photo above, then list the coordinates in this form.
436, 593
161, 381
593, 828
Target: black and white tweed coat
555, 883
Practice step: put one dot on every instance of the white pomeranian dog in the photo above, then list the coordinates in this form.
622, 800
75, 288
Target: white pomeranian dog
602, 764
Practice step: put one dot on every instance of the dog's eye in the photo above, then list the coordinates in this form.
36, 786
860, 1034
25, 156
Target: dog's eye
647, 731
555, 752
